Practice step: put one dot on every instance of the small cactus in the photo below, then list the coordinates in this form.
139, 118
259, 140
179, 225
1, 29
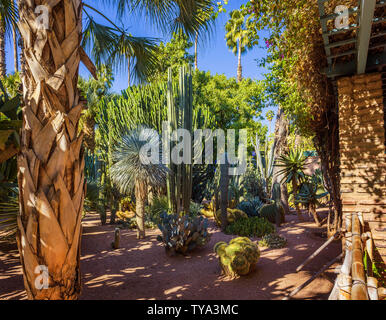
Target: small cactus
117, 235
239, 257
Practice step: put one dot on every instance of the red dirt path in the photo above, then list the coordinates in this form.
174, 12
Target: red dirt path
142, 270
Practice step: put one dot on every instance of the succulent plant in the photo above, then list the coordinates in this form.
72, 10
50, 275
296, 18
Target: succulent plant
251, 207
239, 257
273, 241
182, 234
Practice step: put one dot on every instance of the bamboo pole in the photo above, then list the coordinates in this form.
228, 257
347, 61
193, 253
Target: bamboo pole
359, 290
325, 267
344, 285
381, 293
372, 288
317, 252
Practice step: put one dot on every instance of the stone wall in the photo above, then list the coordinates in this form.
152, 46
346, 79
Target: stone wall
362, 152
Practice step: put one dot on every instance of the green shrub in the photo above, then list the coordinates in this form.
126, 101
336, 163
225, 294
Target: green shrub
273, 241
160, 205
194, 210
252, 227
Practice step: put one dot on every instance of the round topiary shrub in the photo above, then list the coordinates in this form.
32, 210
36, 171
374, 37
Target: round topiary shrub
239, 257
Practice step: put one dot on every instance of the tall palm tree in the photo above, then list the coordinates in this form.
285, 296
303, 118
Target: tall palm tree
240, 36
293, 165
51, 163
7, 19
131, 170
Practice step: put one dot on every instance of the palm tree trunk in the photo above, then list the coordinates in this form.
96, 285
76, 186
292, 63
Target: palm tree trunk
196, 52
281, 134
3, 69
239, 67
140, 199
51, 162
295, 191
15, 51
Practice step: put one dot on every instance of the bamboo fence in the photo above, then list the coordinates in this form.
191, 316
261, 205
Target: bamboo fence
353, 281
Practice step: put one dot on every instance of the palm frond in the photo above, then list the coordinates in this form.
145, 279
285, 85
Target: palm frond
112, 45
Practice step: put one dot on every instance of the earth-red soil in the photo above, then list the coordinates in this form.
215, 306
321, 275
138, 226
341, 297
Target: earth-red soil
142, 270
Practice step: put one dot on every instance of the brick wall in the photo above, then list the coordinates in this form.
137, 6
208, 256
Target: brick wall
362, 152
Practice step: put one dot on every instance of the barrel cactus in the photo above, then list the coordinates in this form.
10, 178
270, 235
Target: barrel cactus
274, 212
239, 257
232, 216
182, 234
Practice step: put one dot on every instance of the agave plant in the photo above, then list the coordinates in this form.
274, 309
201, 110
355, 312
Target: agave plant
310, 196
132, 170
265, 164
293, 165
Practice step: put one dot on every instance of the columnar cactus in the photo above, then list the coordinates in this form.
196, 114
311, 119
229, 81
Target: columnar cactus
179, 184
239, 258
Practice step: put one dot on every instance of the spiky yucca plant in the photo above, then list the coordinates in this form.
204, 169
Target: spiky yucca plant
293, 165
132, 170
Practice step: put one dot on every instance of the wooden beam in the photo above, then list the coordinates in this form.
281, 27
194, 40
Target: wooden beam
349, 68
366, 20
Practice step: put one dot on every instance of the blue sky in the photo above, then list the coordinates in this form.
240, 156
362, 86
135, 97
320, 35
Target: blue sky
214, 56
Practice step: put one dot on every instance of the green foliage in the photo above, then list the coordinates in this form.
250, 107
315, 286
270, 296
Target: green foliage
233, 105
251, 227
154, 211
273, 241
182, 234
239, 258
173, 54
251, 207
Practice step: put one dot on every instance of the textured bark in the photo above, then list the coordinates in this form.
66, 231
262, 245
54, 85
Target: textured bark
51, 163
281, 134
140, 198
239, 67
314, 214
3, 70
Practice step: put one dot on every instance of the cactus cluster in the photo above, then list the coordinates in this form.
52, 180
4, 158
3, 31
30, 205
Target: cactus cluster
233, 215
207, 209
182, 234
273, 241
239, 257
